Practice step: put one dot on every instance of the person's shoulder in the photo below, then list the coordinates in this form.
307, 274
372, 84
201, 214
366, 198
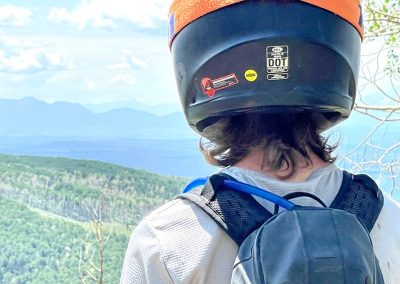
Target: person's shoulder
166, 208
171, 222
385, 237
184, 238
171, 208
177, 213
389, 216
391, 205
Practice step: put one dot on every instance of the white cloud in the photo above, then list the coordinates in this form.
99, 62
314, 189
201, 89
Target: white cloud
90, 85
128, 61
14, 16
61, 78
127, 79
108, 13
31, 61
17, 58
8, 45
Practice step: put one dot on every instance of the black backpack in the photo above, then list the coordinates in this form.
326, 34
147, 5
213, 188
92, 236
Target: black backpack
302, 244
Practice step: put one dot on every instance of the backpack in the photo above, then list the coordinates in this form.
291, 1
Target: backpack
303, 244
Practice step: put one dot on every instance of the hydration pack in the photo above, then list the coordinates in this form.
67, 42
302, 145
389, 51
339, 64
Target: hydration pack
302, 244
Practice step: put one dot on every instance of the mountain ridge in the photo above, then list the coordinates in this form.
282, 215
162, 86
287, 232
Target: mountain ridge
31, 117
158, 110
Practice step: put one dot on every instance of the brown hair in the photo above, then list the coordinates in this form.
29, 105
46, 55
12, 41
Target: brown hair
282, 137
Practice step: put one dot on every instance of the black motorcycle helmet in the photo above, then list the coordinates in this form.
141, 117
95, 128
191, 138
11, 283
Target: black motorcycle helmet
238, 56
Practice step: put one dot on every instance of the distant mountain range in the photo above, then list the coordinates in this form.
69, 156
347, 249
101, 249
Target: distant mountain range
139, 139
159, 109
29, 117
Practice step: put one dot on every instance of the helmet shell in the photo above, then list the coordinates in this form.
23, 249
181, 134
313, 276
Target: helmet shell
268, 56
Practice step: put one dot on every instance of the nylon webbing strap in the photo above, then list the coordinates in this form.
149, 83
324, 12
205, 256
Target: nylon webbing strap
237, 213
360, 195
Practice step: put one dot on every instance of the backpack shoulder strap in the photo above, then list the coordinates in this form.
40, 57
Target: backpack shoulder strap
360, 195
237, 213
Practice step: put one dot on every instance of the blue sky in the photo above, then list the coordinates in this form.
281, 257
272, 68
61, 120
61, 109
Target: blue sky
99, 51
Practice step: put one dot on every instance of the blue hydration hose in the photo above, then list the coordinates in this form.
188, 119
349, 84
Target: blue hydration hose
246, 188
195, 183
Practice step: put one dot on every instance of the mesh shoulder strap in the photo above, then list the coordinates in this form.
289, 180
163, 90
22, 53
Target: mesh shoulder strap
237, 213
360, 195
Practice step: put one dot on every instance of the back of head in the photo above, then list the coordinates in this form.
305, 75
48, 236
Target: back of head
282, 139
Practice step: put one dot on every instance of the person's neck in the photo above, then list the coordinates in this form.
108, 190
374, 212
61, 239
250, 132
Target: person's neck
254, 162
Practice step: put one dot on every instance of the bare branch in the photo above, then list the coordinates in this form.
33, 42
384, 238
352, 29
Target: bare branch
378, 108
368, 136
365, 112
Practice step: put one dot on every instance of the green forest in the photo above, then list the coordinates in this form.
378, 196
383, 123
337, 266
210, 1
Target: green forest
69, 221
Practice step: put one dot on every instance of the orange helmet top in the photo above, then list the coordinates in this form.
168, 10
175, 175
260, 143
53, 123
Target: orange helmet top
183, 12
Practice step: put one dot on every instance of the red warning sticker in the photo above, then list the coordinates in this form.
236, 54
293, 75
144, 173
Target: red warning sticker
211, 86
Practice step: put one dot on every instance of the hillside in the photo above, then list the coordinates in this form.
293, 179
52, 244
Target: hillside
47, 233
37, 248
60, 185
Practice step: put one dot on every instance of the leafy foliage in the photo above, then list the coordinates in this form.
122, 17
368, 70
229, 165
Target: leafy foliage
47, 233
36, 248
383, 21
60, 185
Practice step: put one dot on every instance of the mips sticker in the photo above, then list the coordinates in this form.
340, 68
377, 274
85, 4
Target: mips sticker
250, 75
